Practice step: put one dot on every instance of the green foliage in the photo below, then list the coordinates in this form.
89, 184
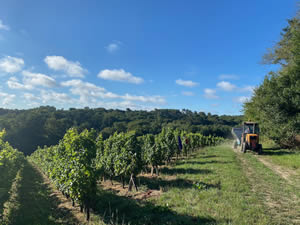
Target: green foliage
120, 156
71, 165
28, 129
276, 102
11, 159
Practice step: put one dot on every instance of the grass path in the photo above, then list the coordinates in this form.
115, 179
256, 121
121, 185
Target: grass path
285, 173
32, 202
272, 185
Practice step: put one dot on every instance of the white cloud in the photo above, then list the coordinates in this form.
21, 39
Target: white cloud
210, 93
188, 93
3, 26
226, 86
186, 83
119, 75
247, 89
31, 80
89, 92
228, 77
30, 97
59, 63
113, 47
51, 96
150, 99
84, 90
38, 79
6, 98
9, 64
242, 99
13, 83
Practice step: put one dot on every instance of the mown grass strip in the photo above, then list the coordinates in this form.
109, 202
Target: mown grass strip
281, 198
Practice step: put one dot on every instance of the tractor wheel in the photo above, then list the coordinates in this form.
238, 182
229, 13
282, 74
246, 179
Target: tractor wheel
259, 149
244, 148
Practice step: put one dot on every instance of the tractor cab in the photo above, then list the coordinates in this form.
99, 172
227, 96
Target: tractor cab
250, 137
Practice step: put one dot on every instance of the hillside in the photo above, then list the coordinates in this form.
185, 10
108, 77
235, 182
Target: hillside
28, 129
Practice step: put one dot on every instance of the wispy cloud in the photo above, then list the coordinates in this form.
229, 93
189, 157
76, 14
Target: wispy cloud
13, 83
52, 96
210, 93
228, 77
186, 83
6, 98
188, 93
113, 47
38, 79
139, 98
242, 99
247, 89
3, 26
89, 92
9, 64
226, 86
120, 75
30, 97
59, 63
215, 105
31, 80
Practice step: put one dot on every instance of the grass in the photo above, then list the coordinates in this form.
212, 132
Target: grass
31, 201
281, 198
223, 193
284, 157
7, 180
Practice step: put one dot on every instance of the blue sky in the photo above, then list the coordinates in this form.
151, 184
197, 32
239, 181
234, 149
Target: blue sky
197, 55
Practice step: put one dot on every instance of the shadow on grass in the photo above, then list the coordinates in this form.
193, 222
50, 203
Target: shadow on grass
208, 156
158, 183
116, 209
276, 151
5, 185
203, 163
36, 204
174, 171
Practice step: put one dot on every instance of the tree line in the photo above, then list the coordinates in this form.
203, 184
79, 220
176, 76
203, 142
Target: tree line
46, 125
83, 158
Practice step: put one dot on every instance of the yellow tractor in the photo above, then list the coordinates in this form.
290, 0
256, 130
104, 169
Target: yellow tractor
250, 137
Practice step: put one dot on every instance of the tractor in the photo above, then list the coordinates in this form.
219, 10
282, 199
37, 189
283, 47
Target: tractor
250, 137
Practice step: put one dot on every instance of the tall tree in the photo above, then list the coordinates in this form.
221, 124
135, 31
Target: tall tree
276, 102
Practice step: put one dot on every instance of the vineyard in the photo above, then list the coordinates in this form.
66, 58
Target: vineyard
11, 162
173, 177
81, 159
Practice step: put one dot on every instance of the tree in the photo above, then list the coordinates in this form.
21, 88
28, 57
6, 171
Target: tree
276, 102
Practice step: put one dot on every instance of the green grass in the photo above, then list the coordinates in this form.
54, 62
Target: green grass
224, 193
31, 202
284, 157
281, 198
